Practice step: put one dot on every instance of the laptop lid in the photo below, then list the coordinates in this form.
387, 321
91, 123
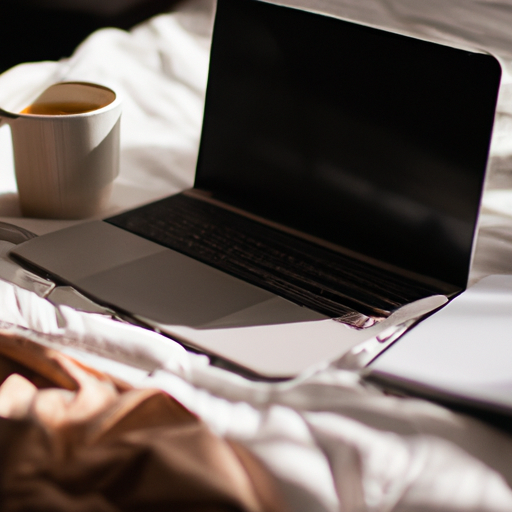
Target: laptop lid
370, 140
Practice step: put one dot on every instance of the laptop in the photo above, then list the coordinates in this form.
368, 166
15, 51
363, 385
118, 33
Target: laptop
338, 185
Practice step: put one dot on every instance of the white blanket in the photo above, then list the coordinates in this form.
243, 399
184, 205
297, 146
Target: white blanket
333, 442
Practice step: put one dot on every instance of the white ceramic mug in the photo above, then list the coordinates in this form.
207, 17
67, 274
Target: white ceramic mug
66, 150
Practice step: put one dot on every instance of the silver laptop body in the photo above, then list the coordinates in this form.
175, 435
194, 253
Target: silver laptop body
338, 180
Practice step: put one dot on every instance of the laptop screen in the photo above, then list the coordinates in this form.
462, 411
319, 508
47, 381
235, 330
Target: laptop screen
371, 140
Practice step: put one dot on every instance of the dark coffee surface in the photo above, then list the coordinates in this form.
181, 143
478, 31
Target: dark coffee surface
61, 109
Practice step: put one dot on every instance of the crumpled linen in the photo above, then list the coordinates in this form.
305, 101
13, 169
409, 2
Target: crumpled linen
73, 439
331, 442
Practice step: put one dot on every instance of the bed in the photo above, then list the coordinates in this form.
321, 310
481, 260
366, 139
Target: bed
323, 442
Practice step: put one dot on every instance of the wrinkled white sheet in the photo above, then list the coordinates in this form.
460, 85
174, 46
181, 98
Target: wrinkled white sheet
333, 442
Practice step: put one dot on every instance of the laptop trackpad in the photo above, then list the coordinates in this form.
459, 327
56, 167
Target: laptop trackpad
147, 280
171, 288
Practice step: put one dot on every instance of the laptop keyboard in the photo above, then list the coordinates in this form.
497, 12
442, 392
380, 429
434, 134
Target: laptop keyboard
324, 280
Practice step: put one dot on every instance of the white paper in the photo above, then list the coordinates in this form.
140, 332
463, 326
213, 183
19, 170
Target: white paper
465, 349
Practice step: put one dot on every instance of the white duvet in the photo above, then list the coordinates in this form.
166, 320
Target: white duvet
333, 442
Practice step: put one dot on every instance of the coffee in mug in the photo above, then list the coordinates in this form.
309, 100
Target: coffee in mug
66, 150
70, 98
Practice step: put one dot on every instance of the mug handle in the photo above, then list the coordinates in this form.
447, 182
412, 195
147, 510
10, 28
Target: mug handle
5, 116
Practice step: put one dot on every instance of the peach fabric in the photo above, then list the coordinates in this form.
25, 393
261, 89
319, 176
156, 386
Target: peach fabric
73, 439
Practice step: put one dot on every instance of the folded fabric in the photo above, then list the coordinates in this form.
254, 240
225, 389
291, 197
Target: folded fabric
74, 439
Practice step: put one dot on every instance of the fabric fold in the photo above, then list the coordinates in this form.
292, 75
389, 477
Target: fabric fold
74, 439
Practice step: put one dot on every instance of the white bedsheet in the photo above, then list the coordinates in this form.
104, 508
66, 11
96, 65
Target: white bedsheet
333, 442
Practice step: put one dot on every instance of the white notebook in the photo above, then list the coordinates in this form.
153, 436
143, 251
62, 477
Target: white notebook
462, 353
